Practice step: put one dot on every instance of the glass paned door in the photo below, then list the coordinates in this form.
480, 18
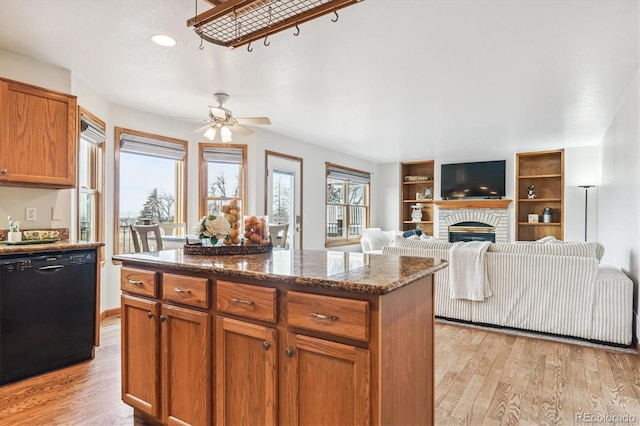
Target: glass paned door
283, 196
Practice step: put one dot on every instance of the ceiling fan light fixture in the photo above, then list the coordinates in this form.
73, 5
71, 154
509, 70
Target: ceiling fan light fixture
210, 133
225, 134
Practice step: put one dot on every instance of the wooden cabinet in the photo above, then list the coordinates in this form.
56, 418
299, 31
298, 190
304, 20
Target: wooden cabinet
246, 380
37, 136
544, 171
283, 353
417, 190
166, 353
326, 382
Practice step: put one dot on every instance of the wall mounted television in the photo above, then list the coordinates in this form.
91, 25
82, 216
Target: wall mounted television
483, 179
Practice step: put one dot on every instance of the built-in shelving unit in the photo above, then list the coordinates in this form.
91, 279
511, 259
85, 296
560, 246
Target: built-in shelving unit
416, 183
544, 171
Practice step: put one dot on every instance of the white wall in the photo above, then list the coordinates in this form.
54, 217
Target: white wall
582, 167
619, 191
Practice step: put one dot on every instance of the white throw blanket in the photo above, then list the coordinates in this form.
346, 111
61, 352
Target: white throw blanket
467, 272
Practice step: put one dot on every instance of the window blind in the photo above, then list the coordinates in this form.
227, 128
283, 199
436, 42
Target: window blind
334, 172
134, 144
222, 155
91, 131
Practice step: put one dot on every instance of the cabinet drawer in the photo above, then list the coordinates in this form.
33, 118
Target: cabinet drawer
192, 291
138, 281
334, 315
246, 300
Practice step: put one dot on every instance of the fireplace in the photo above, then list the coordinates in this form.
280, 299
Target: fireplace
472, 231
493, 214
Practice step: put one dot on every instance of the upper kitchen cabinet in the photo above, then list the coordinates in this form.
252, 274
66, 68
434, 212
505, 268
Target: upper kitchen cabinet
37, 136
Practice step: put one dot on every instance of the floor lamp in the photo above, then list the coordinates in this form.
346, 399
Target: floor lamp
586, 198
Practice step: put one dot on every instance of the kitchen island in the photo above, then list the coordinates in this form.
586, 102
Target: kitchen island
286, 337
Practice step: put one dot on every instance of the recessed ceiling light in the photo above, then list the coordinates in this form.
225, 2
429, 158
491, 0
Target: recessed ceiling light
163, 40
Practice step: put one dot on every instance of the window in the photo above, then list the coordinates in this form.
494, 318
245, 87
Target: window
222, 176
150, 183
90, 183
347, 205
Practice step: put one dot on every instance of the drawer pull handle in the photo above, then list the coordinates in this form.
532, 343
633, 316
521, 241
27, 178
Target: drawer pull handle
134, 282
149, 315
266, 345
5, 171
288, 352
321, 316
246, 302
163, 318
179, 290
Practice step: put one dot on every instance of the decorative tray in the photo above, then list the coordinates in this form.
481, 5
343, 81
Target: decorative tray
227, 250
23, 242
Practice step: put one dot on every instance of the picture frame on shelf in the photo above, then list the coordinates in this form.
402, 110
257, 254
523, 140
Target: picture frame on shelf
533, 218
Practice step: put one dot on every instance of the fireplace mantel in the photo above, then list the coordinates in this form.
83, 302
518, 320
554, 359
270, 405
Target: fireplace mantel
473, 204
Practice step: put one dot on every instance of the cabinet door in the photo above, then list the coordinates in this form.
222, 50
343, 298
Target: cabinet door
186, 366
246, 383
37, 136
140, 350
326, 382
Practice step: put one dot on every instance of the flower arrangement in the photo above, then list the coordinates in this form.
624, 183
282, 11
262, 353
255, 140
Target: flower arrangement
213, 227
14, 226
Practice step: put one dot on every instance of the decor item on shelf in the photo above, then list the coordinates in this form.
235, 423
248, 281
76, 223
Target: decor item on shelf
533, 218
14, 233
223, 119
419, 196
586, 196
238, 22
416, 214
531, 191
547, 214
417, 178
428, 194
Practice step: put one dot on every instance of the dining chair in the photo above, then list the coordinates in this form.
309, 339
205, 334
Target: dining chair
178, 228
278, 234
140, 237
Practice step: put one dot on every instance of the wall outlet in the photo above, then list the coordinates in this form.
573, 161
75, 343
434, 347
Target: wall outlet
30, 215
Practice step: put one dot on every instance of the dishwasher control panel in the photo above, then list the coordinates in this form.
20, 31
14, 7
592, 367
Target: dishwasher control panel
46, 261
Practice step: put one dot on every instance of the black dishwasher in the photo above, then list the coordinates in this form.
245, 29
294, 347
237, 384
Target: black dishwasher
47, 311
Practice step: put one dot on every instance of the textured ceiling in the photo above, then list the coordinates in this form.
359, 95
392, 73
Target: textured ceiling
391, 80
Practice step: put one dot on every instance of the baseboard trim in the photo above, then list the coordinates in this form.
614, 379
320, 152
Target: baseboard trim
109, 313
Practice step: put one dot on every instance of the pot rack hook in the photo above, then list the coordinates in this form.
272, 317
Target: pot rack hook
297, 33
265, 40
249, 49
201, 43
337, 17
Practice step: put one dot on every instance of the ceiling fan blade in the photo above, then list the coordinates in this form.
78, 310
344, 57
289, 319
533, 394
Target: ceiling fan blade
241, 130
190, 119
253, 120
218, 112
201, 129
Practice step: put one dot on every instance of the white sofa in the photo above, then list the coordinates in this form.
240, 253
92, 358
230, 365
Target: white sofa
554, 287
373, 239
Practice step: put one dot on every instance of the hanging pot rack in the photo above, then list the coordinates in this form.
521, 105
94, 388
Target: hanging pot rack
235, 23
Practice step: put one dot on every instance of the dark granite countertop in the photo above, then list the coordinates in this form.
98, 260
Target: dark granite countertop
348, 271
36, 248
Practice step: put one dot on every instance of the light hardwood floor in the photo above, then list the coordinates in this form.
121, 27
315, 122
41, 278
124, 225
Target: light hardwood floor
482, 377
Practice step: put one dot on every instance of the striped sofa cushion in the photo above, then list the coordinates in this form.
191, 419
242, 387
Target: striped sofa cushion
580, 249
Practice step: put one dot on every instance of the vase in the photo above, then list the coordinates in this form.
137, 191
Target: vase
14, 236
416, 214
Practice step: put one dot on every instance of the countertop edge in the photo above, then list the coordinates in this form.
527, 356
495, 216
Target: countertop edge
326, 283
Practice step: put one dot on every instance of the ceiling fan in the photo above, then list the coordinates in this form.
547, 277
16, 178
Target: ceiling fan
221, 118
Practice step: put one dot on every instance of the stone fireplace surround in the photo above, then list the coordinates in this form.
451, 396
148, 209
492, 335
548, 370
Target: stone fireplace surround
491, 212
